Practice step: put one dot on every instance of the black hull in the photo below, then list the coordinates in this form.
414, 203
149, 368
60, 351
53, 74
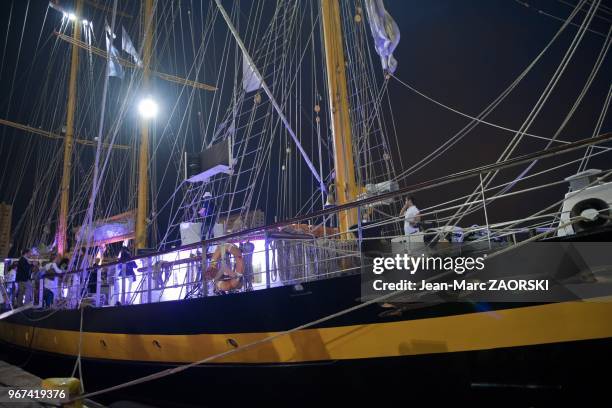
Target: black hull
541, 375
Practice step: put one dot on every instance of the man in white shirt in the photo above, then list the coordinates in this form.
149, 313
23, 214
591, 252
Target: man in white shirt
52, 270
11, 286
411, 215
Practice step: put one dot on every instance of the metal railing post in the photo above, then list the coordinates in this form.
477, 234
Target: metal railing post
98, 285
123, 270
360, 235
149, 279
41, 289
267, 260
79, 289
203, 267
359, 231
304, 260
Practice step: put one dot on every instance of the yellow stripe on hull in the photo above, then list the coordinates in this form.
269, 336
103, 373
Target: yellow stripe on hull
551, 323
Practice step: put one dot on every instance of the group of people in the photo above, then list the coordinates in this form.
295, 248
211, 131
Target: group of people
24, 276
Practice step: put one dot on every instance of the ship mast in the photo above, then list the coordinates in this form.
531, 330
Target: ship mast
69, 139
143, 159
346, 187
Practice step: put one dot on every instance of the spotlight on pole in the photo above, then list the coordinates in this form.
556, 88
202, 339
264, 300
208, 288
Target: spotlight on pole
147, 108
71, 16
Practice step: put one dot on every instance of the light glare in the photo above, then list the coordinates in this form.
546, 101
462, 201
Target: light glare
147, 108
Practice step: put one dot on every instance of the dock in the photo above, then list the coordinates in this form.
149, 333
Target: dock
14, 377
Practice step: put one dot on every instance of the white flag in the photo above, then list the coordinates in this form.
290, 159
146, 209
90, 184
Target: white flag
128, 46
385, 32
250, 80
113, 67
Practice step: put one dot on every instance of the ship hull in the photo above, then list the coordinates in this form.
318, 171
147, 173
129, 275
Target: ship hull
513, 376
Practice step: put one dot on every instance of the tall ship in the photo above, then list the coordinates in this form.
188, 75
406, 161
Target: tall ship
215, 204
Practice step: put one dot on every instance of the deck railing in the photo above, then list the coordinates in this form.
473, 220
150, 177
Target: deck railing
283, 254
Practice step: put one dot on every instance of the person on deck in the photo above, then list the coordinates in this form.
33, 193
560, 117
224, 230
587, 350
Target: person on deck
206, 212
24, 271
79, 278
51, 273
60, 293
412, 217
9, 281
125, 273
330, 202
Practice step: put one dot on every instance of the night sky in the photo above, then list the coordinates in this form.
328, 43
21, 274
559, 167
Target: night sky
466, 53
461, 53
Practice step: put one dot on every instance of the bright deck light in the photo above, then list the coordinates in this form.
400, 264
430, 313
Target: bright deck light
72, 16
147, 108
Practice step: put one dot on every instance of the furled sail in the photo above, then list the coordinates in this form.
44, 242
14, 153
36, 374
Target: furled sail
385, 33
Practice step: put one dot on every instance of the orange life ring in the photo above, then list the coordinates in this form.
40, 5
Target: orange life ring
316, 230
331, 232
298, 228
226, 278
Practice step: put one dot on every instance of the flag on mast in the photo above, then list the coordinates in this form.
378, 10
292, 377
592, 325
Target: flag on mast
113, 67
385, 33
250, 79
128, 46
